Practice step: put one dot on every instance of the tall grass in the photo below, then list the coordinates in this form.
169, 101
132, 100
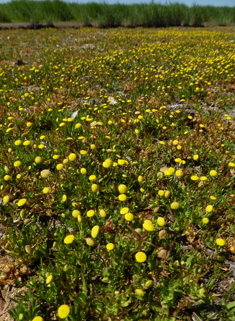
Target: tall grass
107, 15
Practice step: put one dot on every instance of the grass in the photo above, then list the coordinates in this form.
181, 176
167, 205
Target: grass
114, 205
106, 15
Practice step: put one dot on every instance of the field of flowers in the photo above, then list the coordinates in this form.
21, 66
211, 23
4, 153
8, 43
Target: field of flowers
117, 174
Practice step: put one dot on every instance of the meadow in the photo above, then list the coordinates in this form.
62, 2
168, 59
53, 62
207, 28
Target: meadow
117, 174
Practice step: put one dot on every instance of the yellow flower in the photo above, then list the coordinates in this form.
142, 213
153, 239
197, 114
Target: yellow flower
49, 279
194, 178
195, 157
45, 173
7, 177
83, 152
175, 142
75, 213
90, 241
72, 157
213, 173
231, 164
26, 143
160, 193
46, 190
212, 198
121, 162
209, 208
124, 210
107, 163
203, 178
95, 231
110, 246
17, 142
22, 202
56, 156
17, 163
38, 160
63, 311
90, 213
161, 221
220, 242
59, 166
178, 173
177, 160
205, 220
129, 217
148, 225
69, 239
139, 292
92, 178
37, 318
167, 194
6, 199
175, 205
140, 257
64, 198
41, 146
122, 189
94, 188
29, 124
83, 171
102, 213
122, 197
140, 179
167, 172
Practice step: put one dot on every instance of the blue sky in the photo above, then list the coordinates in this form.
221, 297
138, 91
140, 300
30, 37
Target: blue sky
230, 3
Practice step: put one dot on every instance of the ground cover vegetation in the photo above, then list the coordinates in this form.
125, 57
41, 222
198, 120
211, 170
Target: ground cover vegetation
116, 203
106, 15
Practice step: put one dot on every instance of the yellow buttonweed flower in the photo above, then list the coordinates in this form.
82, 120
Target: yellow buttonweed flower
45, 173
175, 142
17, 142
94, 188
7, 177
46, 190
75, 213
102, 213
90, 213
175, 205
161, 221
213, 173
83, 152
122, 189
110, 246
148, 225
79, 218
107, 163
212, 198
22, 202
49, 279
194, 178
167, 194
59, 166
83, 171
205, 220
140, 179
178, 173
29, 124
6, 199
203, 178
140, 257
38, 160
69, 239
124, 210
122, 197
26, 143
65, 161
231, 164
17, 163
121, 162
139, 292
72, 157
37, 318
64, 198
63, 311
90, 241
195, 157
167, 172
92, 178
56, 156
160, 193
95, 231
209, 208
129, 217
220, 242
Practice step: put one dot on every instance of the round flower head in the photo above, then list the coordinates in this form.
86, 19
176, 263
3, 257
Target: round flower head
148, 226
6, 199
194, 178
95, 231
63, 311
22, 202
129, 217
38, 160
107, 163
175, 205
59, 166
45, 173
94, 188
37, 318
64, 198
140, 179
178, 173
209, 208
75, 213
195, 157
49, 279
110, 246
124, 210
69, 239
122, 197
83, 152
92, 178
220, 242
17, 163
161, 221
90, 213
213, 173
7, 177
140, 257
46, 190
205, 220
139, 292
122, 189
90, 241
161, 193
102, 213
83, 171
72, 157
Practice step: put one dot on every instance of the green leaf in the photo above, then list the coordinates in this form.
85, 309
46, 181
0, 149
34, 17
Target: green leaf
231, 305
